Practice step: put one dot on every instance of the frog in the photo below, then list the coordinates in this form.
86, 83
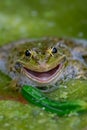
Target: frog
44, 62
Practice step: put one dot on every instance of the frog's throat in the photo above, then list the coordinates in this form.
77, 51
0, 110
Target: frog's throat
45, 77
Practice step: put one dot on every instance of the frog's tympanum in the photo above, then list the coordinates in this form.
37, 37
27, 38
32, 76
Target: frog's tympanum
44, 62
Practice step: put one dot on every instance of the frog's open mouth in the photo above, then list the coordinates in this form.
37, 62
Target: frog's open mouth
44, 77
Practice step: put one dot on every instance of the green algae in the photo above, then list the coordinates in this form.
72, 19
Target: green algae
14, 115
71, 90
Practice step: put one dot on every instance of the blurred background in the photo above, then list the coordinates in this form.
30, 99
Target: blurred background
37, 18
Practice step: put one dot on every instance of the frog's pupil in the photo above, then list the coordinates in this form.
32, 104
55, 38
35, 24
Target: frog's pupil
27, 53
54, 50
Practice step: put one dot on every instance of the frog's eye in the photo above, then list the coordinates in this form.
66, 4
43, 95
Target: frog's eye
54, 50
27, 53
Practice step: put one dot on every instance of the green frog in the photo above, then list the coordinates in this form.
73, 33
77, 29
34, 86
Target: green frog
44, 62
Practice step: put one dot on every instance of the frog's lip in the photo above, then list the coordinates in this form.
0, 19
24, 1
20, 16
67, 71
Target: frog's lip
44, 77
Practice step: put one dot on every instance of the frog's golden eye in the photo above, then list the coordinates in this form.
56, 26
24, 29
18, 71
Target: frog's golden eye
27, 53
51, 51
54, 50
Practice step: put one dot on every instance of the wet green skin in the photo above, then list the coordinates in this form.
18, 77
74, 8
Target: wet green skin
42, 59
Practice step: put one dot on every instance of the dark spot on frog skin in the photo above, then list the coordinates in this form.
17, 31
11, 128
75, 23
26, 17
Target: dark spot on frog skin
17, 66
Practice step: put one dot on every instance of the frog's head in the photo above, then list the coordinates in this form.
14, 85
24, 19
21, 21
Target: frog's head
41, 61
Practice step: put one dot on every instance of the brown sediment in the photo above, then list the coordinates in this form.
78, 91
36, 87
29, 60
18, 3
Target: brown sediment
19, 98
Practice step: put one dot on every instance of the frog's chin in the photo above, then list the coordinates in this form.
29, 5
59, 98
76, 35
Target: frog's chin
44, 77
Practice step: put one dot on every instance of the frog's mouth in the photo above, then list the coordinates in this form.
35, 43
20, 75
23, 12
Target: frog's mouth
44, 77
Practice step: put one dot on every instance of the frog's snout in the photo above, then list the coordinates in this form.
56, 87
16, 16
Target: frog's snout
43, 65
17, 66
